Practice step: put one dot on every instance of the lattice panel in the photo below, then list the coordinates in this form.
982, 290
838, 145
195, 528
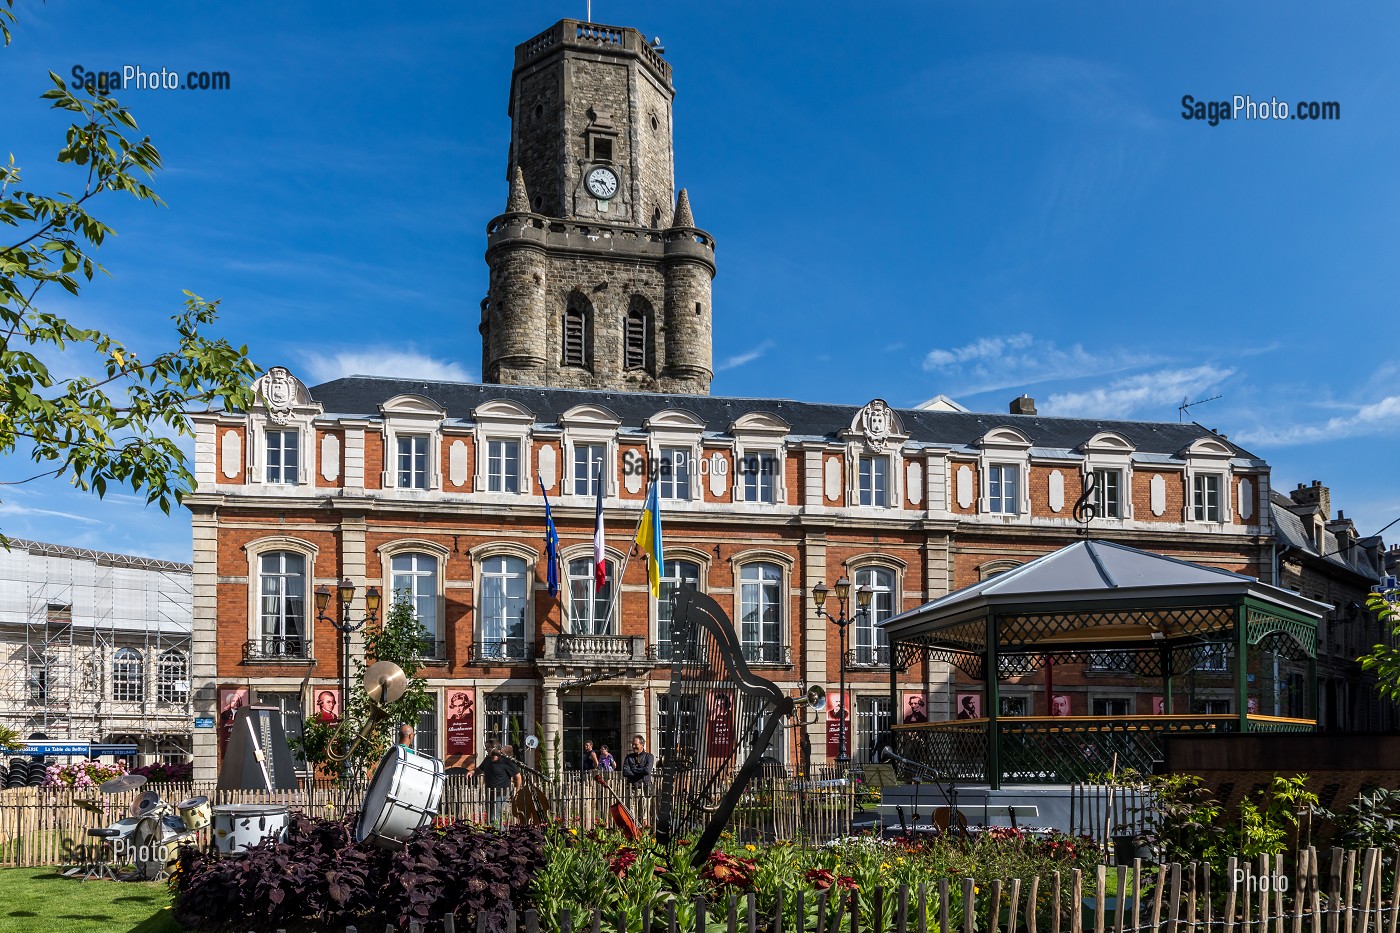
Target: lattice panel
1030, 628
956, 751
1260, 625
1037, 752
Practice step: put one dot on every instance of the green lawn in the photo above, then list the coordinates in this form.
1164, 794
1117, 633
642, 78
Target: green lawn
40, 899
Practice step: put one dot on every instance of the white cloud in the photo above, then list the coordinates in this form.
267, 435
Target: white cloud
746, 357
10, 508
994, 363
381, 361
1372, 418
1160, 391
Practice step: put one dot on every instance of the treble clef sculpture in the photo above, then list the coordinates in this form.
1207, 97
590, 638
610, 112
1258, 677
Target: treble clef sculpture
1086, 507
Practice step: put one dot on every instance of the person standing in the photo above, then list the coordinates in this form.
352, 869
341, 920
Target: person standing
638, 766
606, 762
406, 737
590, 758
497, 775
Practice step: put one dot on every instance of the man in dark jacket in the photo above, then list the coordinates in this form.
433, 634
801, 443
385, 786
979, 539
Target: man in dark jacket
638, 765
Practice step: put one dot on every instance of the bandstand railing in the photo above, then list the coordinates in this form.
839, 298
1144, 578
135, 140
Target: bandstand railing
1062, 749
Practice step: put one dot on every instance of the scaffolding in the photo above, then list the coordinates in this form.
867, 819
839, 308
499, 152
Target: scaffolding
96, 647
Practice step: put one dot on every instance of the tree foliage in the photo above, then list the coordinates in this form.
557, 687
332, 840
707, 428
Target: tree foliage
120, 424
400, 639
1384, 659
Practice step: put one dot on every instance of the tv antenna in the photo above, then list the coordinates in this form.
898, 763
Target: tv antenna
1186, 405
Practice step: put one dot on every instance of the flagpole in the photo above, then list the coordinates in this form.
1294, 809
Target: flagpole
622, 574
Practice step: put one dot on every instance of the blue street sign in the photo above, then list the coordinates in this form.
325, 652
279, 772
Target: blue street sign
38, 748
204, 722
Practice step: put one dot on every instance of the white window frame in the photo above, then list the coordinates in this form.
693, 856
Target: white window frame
1101, 475
759, 434
414, 476
301, 418
1112, 452
589, 424
429, 600
502, 420
503, 647
675, 554
597, 460
998, 501
674, 429
1209, 456
1003, 447
1200, 504
746, 479
764, 654
871, 494
408, 415
498, 477
283, 434
867, 634
172, 676
609, 625
255, 551
676, 484
480, 555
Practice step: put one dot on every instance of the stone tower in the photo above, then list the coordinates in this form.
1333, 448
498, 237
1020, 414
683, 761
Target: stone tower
599, 278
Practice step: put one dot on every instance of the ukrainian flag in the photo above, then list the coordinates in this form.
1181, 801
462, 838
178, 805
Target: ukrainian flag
649, 540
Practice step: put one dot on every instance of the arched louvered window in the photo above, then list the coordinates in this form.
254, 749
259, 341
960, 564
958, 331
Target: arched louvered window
576, 336
128, 676
636, 339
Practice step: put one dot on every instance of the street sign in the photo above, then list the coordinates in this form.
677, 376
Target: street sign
204, 722
39, 747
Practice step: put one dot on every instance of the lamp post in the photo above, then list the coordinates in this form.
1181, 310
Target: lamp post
345, 625
840, 620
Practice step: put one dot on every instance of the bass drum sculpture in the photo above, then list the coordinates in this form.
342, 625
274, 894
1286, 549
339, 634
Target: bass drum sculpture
240, 826
403, 796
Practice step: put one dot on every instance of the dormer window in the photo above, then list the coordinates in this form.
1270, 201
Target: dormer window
1205, 497
874, 481
1002, 485
283, 457
413, 461
1108, 493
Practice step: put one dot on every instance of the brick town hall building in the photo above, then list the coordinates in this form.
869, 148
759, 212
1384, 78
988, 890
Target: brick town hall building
596, 334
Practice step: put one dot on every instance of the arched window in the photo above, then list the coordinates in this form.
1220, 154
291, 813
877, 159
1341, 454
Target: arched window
576, 349
414, 577
503, 606
172, 676
761, 612
128, 676
282, 604
872, 643
677, 573
590, 609
637, 351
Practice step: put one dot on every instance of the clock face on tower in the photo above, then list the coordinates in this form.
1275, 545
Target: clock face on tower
601, 183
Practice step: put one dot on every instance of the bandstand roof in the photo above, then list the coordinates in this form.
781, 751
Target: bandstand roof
1100, 592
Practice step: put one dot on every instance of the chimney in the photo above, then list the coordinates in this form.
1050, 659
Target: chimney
1025, 405
1317, 498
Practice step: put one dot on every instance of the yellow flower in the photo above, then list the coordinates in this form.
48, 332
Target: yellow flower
573, 832
750, 847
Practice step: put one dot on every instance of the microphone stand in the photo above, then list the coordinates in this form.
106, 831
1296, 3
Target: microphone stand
946, 784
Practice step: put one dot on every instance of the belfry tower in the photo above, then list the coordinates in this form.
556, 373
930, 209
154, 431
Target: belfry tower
599, 277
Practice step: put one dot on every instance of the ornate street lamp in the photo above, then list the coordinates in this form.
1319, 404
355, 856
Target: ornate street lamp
840, 620
345, 592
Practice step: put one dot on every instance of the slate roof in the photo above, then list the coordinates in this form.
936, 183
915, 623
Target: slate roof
1293, 533
1097, 573
361, 396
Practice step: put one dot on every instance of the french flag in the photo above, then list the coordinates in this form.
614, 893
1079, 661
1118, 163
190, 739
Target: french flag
600, 567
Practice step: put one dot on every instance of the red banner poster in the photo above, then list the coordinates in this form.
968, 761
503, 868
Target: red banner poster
231, 700
837, 712
459, 742
719, 725
913, 707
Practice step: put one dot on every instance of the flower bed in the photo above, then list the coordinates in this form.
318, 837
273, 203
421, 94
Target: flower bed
82, 775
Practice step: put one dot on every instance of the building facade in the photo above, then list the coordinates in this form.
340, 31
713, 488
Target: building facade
1324, 558
596, 358
96, 648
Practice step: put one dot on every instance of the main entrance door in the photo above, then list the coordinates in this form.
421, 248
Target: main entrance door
596, 720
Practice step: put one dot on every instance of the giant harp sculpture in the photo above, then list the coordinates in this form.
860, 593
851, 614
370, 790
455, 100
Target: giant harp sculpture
717, 712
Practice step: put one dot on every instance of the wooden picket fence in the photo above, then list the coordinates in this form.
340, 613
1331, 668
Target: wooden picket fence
1354, 894
48, 826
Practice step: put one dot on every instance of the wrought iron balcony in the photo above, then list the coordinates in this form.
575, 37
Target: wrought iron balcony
868, 656
767, 653
432, 649
605, 649
276, 649
508, 651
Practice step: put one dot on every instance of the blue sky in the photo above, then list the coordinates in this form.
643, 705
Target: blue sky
909, 199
